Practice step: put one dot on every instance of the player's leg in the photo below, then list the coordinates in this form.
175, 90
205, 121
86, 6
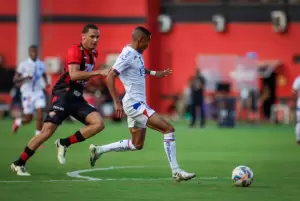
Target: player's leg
135, 143
39, 104
28, 110
137, 120
19, 165
193, 115
54, 118
298, 126
94, 124
39, 121
158, 123
202, 113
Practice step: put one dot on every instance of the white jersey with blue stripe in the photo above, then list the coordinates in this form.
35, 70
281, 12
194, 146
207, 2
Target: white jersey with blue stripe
130, 68
34, 69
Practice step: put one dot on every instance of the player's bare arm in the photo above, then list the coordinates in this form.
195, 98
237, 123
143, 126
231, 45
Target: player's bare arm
114, 94
163, 73
46, 80
18, 78
76, 74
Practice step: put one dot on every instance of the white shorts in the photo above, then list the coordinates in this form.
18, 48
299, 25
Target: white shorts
298, 114
138, 115
33, 101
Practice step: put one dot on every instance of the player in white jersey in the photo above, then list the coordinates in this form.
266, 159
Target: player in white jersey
30, 73
131, 71
296, 91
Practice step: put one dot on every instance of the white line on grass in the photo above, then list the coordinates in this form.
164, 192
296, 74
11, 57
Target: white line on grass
80, 178
76, 174
113, 179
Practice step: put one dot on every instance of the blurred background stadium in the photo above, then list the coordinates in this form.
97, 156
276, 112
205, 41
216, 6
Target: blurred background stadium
245, 49
240, 56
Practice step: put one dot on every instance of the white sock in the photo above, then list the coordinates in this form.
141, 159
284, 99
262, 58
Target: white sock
123, 145
298, 132
37, 132
19, 122
170, 149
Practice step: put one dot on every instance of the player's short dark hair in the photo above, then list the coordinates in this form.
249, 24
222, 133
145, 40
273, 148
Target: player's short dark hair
33, 47
87, 27
144, 30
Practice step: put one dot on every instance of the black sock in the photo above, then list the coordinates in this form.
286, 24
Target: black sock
75, 138
26, 154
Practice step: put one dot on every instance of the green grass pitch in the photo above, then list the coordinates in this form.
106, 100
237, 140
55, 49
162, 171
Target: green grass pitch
212, 153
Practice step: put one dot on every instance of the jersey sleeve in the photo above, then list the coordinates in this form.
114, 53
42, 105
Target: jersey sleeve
74, 55
296, 84
123, 62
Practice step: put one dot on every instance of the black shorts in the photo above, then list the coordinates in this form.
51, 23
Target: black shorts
66, 104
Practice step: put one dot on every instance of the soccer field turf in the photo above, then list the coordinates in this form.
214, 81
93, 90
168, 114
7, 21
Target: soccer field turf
212, 153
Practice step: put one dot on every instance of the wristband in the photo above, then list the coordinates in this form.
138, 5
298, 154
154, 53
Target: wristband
152, 72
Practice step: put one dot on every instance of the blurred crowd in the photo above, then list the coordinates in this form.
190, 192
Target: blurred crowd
96, 93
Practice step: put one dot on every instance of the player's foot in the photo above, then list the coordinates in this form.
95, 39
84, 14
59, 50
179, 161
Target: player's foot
15, 127
182, 175
94, 156
298, 143
61, 152
20, 170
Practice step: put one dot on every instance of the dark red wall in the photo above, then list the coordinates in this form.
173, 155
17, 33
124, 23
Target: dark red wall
83, 7
110, 8
188, 40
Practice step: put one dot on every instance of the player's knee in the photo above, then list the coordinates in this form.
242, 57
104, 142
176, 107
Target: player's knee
139, 146
169, 129
27, 118
45, 134
98, 127
47, 130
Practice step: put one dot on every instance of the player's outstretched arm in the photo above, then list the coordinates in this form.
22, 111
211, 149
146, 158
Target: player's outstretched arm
76, 74
113, 92
163, 73
18, 78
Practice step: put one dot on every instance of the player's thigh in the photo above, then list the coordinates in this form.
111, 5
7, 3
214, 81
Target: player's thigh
158, 123
85, 113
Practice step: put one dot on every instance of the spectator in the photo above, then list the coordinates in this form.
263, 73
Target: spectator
198, 98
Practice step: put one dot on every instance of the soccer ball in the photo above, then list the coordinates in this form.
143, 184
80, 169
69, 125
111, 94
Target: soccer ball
242, 176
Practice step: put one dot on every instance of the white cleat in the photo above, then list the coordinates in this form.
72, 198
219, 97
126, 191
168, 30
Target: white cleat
20, 170
94, 156
181, 175
61, 152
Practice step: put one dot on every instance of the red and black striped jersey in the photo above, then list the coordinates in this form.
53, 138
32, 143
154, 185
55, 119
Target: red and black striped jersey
76, 55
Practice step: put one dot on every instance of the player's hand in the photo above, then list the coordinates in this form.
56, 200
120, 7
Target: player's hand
163, 73
27, 78
119, 110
